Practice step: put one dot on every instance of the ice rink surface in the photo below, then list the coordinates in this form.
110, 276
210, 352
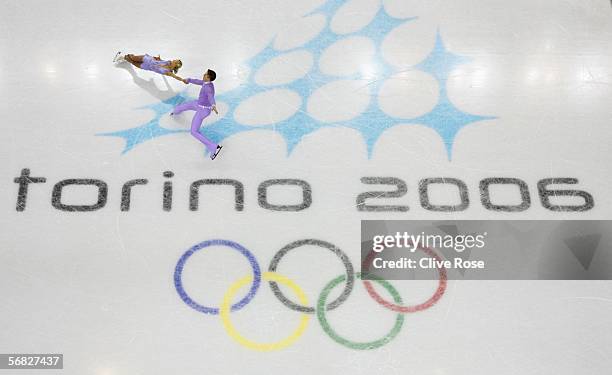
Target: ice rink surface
313, 96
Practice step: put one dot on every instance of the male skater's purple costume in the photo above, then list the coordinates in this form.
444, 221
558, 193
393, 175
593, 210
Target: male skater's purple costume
202, 107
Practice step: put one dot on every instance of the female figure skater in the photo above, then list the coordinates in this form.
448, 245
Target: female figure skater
154, 64
202, 107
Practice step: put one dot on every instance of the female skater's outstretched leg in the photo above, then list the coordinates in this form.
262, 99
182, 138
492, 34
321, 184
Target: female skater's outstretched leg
135, 60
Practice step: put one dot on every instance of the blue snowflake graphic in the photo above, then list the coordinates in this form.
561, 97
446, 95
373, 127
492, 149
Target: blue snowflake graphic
445, 118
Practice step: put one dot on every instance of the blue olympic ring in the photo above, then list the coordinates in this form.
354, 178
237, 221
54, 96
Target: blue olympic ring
178, 272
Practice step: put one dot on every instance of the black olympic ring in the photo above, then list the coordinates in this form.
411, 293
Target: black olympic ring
350, 275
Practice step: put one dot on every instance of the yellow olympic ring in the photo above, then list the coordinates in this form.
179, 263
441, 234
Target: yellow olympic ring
224, 312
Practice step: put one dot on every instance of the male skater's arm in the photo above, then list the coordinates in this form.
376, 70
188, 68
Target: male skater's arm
210, 93
195, 81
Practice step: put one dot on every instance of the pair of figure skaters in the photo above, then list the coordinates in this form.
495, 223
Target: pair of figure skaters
202, 106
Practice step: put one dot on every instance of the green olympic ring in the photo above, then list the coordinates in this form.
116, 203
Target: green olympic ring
399, 321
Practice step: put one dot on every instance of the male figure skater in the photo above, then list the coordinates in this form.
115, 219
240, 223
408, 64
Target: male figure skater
202, 107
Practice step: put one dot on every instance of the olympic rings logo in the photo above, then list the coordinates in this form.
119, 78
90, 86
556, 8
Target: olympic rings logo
322, 306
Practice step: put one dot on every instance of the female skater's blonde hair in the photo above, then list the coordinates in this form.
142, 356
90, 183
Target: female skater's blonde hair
178, 66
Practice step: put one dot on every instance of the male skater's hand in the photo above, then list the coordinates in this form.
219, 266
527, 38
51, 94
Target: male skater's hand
214, 108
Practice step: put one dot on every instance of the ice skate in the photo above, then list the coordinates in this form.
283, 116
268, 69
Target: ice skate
119, 58
214, 155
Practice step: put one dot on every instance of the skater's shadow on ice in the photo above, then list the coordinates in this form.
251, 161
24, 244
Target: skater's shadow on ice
149, 85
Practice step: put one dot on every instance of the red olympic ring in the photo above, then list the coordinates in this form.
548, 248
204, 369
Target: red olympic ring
414, 308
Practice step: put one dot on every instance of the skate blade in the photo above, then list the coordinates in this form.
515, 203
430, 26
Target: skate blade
217, 151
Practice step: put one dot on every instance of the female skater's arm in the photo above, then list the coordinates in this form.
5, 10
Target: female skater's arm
171, 74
